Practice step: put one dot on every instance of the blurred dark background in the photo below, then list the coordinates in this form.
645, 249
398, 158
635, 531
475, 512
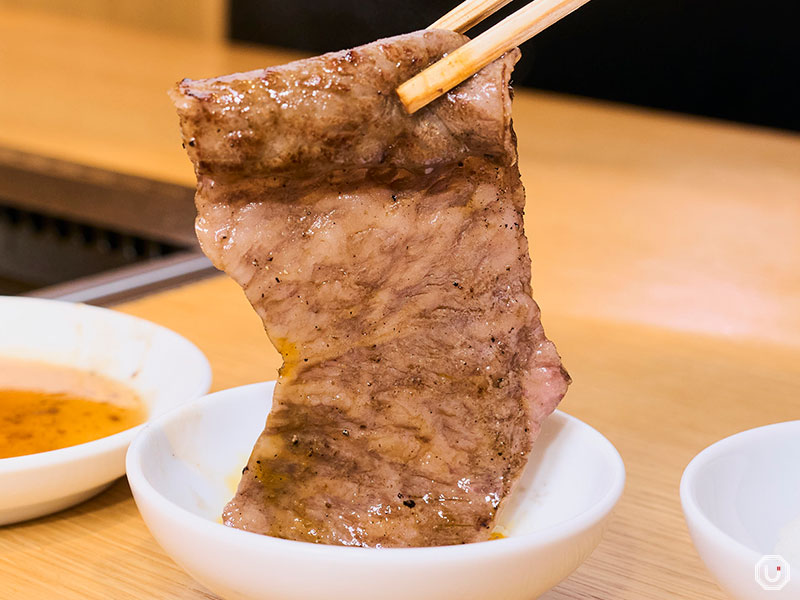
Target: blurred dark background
736, 59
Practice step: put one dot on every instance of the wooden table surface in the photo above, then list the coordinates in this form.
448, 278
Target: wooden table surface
666, 257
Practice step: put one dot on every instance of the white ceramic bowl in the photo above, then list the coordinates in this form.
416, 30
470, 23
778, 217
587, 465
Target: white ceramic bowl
185, 466
741, 499
164, 368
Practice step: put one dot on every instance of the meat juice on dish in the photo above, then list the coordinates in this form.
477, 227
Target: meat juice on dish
386, 256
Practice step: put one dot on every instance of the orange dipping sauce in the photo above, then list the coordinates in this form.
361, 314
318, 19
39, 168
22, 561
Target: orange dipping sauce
46, 407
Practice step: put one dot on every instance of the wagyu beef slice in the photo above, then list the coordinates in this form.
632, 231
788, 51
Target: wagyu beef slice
385, 254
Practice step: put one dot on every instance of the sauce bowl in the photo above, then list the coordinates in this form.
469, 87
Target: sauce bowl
184, 467
163, 368
741, 500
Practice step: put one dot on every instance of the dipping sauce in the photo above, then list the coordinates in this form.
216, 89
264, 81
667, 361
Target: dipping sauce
46, 407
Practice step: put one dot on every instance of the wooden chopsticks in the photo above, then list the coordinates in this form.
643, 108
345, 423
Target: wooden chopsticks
468, 14
470, 58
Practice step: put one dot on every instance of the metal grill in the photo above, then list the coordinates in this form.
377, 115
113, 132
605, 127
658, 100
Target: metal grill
38, 250
81, 233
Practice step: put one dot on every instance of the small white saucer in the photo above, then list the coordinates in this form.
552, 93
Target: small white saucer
741, 499
185, 466
164, 368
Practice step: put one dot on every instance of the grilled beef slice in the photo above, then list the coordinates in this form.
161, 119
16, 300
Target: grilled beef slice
385, 254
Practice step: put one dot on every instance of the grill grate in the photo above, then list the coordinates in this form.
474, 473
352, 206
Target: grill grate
39, 250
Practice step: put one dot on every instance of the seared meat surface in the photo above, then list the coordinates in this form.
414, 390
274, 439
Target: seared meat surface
386, 257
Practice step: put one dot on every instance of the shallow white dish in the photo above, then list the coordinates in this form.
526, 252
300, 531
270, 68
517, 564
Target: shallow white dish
163, 367
184, 467
741, 499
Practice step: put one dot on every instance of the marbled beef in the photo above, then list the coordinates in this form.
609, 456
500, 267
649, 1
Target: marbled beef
385, 254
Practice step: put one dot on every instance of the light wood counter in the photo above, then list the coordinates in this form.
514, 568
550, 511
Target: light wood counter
666, 260
96, 94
